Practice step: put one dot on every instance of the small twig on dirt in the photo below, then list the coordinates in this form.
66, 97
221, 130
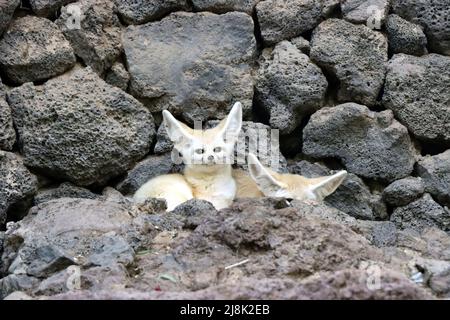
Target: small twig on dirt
236, 264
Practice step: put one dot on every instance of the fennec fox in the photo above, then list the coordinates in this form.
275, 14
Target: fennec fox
207, 155
290, 186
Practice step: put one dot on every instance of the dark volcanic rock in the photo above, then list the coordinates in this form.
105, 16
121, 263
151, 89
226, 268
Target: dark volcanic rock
302, 44
417, 89
145, 170
193, 212
352, 196
405, 37
97, 39
370, 12
196, 65
403, 191
47, 8
34, 49
432, 15
163, 142
7, 9
80, 128
118, 76
288, 86
221, 6
66, 231
64, 190
435, 171
421, 214
7, 133
284, 19
379, 233
142, 11
370, 144
355, 54
17, 186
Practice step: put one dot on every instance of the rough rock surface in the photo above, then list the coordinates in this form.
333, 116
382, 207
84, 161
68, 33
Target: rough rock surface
435, 172
192, 213
196, 65
432, 15
405, 37
326, 256
7, 9
47, 8
13, 283
343, 285
269, 229
64, 190
7, 133
352, 197
370, 144
302, 44
142, 11
80, 234
422, 213
285, 19
97, 40
96, 278
118, 76
80, 128
370, 12
221, 6
431, 243
34, 49
17, 185
418, 91
403, 191
355, 55
145, 170
163, 142
65, 220
288, 86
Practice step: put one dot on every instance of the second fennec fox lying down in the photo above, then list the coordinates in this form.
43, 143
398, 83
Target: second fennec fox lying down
207, 155
265, 182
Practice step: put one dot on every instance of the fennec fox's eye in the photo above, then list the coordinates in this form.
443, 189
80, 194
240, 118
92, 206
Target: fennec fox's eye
217, 149
200, 151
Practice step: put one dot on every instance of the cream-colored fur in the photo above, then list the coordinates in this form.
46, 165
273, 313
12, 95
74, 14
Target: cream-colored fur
179, 191
215, 185
291, 186
246, 186
207, 155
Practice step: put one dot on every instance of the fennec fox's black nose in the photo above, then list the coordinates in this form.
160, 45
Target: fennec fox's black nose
210, 158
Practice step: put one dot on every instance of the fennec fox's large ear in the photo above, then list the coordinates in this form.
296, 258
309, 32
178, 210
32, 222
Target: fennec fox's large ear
325, 186
178, 132
232, 124
265, 181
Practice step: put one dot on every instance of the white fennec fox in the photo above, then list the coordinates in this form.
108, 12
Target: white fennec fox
207, 155
290, 186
